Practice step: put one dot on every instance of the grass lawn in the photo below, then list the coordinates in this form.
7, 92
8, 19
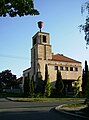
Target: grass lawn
81, 108
18, 99
75, 105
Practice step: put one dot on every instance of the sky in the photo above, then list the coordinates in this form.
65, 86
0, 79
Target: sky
61, 19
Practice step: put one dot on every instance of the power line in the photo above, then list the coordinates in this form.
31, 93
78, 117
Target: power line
14, 57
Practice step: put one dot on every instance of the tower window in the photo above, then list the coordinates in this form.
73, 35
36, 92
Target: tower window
44, 38
34, 41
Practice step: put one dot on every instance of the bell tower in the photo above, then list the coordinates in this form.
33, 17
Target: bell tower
40, 52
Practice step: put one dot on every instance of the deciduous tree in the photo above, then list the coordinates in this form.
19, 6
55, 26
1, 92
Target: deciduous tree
85, 27
7, 79
17, 7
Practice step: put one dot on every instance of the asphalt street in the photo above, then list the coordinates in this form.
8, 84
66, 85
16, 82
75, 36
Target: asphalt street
10, 110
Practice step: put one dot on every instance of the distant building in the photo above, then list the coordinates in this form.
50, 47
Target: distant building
41, 54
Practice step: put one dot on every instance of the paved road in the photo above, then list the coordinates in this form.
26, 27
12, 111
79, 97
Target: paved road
10, 110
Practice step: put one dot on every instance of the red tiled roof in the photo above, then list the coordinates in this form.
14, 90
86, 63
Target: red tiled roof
62, 58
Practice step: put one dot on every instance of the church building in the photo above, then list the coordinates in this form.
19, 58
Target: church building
42, 55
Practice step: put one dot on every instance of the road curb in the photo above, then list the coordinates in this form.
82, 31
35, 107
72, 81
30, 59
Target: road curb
58, 108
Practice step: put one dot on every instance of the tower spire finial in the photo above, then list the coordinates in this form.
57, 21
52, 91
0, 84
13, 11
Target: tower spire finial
40, 25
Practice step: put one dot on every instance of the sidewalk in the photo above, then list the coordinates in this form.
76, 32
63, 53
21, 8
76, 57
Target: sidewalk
72, 111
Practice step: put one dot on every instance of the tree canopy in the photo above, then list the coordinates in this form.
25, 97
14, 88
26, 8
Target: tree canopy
85, 27
7, 79
17, 7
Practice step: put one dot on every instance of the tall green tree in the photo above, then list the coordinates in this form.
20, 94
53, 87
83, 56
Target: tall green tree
77, 86
86, 71
48, 88
40, 84
85, 77
26, 86
46, 74
87, 88
59, 84
32, 87
47, 84
17, 7
83, 81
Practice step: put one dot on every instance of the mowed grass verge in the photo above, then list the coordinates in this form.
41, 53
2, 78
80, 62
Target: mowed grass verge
42, 99
79, 105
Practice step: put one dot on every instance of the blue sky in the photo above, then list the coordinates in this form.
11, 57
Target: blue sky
61, 19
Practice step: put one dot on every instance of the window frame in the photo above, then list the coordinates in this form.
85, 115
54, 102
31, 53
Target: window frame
66, 68
71, 68
55, 67
76, 69
61, 68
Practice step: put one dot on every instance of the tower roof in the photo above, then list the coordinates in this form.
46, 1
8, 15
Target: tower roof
62, 58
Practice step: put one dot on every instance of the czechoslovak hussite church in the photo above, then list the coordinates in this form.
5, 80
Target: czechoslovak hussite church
41, 54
